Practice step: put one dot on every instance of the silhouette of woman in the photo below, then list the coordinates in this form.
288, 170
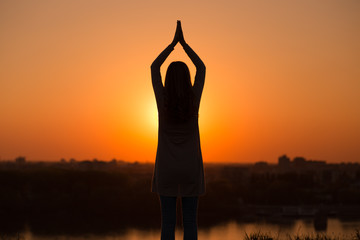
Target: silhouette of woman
178, 168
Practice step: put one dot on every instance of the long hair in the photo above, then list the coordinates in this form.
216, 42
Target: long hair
179, 96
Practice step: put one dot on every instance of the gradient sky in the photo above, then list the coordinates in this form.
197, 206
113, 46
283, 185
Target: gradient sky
283, 77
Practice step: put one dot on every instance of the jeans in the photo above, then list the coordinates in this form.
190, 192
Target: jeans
168, 217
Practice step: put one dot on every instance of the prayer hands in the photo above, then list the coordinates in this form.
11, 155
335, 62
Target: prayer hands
179, 36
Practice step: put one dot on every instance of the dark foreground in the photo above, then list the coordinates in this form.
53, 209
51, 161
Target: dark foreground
98, 197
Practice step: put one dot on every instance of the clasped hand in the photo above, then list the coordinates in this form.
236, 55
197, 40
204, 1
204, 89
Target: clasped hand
179, 36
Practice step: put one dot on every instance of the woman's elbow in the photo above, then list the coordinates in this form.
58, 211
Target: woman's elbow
154, 66
202, 68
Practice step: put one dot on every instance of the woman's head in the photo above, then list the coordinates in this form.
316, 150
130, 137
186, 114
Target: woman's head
178, 77
179, 97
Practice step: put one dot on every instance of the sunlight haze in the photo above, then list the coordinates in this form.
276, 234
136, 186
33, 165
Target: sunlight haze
282, 77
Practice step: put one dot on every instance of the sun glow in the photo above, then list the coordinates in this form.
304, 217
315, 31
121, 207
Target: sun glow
276, 82
151, 117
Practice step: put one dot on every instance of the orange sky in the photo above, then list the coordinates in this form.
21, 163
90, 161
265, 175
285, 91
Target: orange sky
282, 77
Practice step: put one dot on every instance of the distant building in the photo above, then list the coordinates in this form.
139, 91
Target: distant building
261, 165
20, 160
316, 163
299, 161
284, 161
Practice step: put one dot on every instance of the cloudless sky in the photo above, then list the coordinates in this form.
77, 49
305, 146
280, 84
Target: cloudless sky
283, 77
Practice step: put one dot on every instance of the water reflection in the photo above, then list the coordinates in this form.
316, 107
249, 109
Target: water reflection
228, 231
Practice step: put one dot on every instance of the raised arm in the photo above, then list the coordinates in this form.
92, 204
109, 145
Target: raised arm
155, 70
155, 67
200, 66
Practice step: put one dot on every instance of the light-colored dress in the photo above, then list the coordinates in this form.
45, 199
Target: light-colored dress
179, 167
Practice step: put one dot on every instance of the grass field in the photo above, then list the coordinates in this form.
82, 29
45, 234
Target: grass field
318, 236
